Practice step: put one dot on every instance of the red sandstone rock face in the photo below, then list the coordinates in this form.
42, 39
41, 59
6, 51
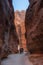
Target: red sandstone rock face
34, 26
20, 27
7, 28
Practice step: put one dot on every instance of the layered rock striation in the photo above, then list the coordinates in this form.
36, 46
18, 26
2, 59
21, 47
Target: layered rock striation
34, 26
7, 28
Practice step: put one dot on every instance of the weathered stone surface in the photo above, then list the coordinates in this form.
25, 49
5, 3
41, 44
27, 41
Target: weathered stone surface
34, 26
20, 28
7, 28
36, 59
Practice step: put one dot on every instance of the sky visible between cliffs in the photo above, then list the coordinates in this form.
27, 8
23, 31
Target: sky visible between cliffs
20, 4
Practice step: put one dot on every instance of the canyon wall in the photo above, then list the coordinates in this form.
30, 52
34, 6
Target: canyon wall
34, 26
8, 36
20, 28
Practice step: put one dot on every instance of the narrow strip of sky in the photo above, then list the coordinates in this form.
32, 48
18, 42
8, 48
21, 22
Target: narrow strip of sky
20, 4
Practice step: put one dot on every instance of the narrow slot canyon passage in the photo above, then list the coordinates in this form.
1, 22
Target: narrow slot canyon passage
19, 21
21, 32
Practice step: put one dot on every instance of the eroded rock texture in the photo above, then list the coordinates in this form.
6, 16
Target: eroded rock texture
34, 26
7, 28
20, 28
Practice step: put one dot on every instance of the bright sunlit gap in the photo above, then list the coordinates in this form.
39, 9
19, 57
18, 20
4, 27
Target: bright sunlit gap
20, 4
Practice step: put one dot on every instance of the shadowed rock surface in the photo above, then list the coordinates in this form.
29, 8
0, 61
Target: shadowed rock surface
7, 28
34, 26
36, 59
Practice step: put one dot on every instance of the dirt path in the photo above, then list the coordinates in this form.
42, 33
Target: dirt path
17, 59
